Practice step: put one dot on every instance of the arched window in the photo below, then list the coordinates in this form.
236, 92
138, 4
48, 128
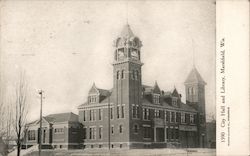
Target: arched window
118, 75
136, 75
136, 128
133, 74
120, 128
193, 91
123, 74
190, 91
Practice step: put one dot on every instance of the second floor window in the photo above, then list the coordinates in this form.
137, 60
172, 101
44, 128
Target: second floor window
84, 115
172, 116
167, 116
191, 118
111, 113
183, 120
145, 114
135, 111
92, 114
157, 113
100, 114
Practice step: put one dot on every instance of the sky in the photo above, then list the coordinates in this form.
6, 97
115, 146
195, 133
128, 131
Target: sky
66, 46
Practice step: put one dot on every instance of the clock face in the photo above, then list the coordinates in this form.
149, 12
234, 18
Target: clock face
134, 54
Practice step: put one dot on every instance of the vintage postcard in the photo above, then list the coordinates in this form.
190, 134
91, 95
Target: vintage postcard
124, 78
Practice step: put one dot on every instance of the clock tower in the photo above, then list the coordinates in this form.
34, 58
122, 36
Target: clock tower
127, 87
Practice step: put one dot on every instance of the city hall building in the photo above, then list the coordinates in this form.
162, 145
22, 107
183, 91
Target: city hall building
133, 115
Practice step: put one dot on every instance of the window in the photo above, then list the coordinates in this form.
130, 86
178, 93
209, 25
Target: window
92, 99
31, 135
133, 75
135, 111
177, 117
190, 91
120, 145
183, 117
111, 113
112, 129
193, 91
172, 131
172, 116
186, 117
118, 75
136, 128
84, 133
122, 113
176, 134
84, 115
92, 132
58, 130
123, 75
136, 74
167, 133
167, 116
156, 99
118, 112
146, 114
92, 114
157, 113
195, 118
120, 128
147, 131
191, 118
100, 146
100, 114
100, 132
174, 101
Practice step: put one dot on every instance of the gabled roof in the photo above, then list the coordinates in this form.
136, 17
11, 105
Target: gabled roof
95, 90
175, 93
156, 88
61, 117
183, 107
195, 77
55, 118
127, 32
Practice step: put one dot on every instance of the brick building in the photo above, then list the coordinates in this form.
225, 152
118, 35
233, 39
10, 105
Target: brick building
58, 131
133, 115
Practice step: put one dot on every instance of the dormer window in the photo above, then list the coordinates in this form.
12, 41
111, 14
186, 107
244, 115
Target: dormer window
174, 101
92, 99
156, 98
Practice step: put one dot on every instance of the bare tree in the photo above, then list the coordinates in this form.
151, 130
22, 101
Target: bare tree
21, 110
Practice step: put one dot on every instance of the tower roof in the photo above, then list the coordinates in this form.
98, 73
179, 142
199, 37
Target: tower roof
195, 77
127, 32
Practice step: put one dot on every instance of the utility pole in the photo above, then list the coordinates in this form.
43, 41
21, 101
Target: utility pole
40, 129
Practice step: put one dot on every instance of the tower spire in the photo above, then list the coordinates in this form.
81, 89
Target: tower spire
193, 53
127, 12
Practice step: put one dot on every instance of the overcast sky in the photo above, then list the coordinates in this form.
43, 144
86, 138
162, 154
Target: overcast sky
65, 46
